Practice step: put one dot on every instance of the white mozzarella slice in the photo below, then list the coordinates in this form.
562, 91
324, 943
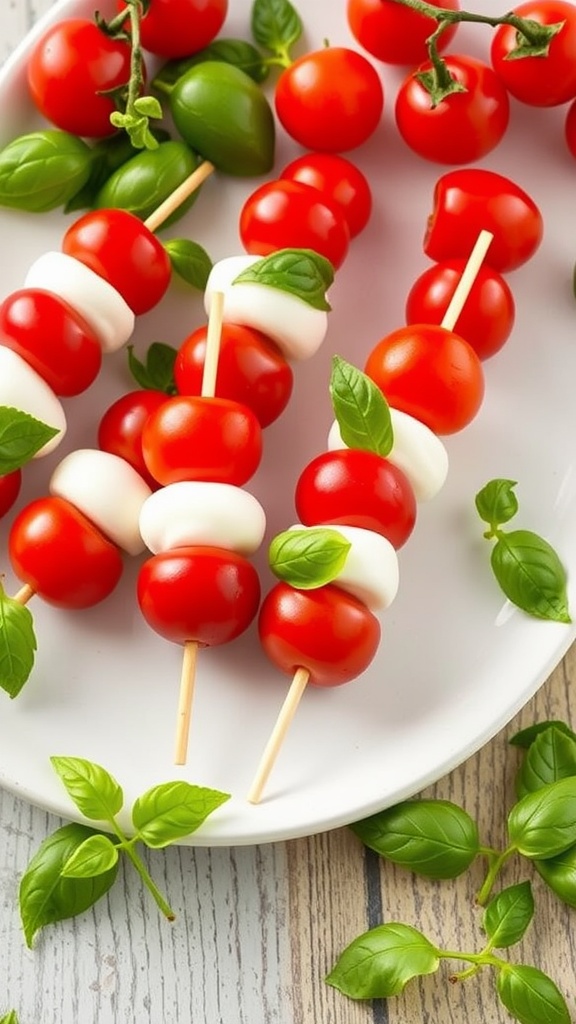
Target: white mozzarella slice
24, 389
297, 328
109, 492
416, 450
95, 299
206, 513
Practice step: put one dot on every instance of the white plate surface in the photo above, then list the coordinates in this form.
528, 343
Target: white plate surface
456, 661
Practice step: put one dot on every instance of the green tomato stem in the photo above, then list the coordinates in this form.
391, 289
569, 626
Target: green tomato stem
495, 864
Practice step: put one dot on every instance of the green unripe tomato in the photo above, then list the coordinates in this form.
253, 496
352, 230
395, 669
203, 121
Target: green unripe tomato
148, 178
225, 116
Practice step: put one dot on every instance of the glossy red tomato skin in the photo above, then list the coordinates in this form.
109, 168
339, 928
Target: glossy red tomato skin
251, 370
120, 429
395, 34
327, 631
290, 215
430, 373
179, 28
356, 488
62, 555
330, 100
487, 318
10, 484
195, 438
464, 126
52, 338
468, 200
118, 247
72, 64
339, 181
204, 594
539, 81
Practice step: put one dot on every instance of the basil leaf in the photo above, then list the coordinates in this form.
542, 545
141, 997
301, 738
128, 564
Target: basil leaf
17, 644
527, 736
21, 436
45, 896
107, 156
543, 824
508, 915
94, 791
9, 1018
190, 261
43, 170
559, 873
276, 25
173, 810
531, 575
362, 411
380, 962
157, 373
96, 855
550, 757
307, 559
531, 996
434, 838
496, 503
301, 272
239, 52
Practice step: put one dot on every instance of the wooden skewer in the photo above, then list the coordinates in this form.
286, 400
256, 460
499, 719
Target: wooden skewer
213, 337
24, 595
287, 712
174, 200
467, 279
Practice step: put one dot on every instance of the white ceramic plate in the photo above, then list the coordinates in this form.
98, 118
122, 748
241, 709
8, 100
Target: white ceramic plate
456, 661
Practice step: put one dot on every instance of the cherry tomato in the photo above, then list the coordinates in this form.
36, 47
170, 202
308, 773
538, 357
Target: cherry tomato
430, 373
330, 100
351, 487
52, 338
62, 555
487, 318
570, 128
10, 484
195, 438
290, 215
471, 199
71, 68
203, 594
179, 28
463, 126
117, 246
327, 631
543, 81
396, 34
251, 370
120, 429
338, 180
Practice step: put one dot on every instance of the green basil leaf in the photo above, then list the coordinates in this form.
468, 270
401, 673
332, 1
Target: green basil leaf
531, 575
172, 810
45, 896
496, 503
301, 272
157, 372
531, 996
94, 791
276, 25
362, 412
107, 156
9, 1018
21, 436
543, 824
434, 838
559, 873
307, 559
190, 261
239, 52
43, 170
17, 644
508, 915
525, 737
550, 757
380, 962
96, 855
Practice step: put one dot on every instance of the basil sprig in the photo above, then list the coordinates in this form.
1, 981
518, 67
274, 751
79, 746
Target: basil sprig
156, 372
307, 559
525, 565
300, 272
362, 412
21, 437
190, 261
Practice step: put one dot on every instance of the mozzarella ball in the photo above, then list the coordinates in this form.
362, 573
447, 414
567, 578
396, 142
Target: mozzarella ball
23, 389
193, 512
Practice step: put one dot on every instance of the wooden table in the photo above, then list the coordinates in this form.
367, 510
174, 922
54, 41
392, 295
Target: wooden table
259, 927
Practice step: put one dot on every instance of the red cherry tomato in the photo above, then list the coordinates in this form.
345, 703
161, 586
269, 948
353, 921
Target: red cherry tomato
195, 438
338, 180
10, 484
542, 81
203, 594
251, 370
120, 429
117, 246
326, 631
179, 28
430, 373
471, 199
52, 338
62, 555
356, 488
70, 70
290, 215
463, 126
487, 318
330, 100
395, 34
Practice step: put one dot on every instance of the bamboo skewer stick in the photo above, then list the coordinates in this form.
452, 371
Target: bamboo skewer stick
177, 197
